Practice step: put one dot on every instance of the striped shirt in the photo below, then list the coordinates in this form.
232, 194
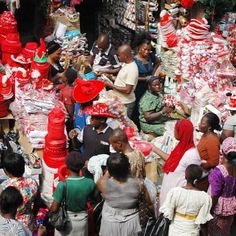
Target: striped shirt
10, 227
104, 60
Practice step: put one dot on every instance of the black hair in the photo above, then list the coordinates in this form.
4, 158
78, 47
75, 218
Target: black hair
231, 157
52, 47
74, 162
71, 75
14, 164
10, 200
118, 166
141, 38
213, 121
192, 173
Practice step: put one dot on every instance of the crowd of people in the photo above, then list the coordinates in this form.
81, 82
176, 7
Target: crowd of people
198, 190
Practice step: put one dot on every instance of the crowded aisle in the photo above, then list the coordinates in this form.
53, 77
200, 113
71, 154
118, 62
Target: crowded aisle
117, 118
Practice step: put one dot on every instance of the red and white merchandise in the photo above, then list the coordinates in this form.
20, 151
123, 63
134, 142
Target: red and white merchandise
55, 151
55, 141
4, 107
10, 46
167, 30
40, 68
6, 87
8, 25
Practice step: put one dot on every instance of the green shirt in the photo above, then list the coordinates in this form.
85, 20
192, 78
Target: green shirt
150, 102
78, 191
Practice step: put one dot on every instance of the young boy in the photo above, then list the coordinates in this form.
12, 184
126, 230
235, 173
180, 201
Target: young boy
66, 94
120, 143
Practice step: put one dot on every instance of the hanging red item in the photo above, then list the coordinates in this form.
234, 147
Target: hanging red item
187, 3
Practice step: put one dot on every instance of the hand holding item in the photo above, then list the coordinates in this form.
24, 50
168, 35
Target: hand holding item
167, 110
98, 73
108, 84
41, 230
73, 133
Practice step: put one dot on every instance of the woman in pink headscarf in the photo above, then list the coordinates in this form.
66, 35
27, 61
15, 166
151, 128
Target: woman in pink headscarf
183, 155
222, 189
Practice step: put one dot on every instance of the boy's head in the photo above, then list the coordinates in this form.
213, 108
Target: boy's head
118, 139
74, 162
69, 76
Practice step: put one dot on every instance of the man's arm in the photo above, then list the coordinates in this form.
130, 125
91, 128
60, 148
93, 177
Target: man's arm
127, 89
113, 71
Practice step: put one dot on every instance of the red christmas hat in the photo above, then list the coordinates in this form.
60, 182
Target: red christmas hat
187, 3
30, 49
41, 54
22, 76
21, 59
86, 91
99, 109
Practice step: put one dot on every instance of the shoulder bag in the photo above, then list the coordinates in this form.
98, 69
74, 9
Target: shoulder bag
157, 226
60, 219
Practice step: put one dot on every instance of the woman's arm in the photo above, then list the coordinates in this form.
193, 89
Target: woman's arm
213, 151
160, 153
55, 206
101, 183
151, 116
148, 200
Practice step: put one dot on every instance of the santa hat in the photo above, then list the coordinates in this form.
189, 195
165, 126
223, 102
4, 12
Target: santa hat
187, 3
41, 53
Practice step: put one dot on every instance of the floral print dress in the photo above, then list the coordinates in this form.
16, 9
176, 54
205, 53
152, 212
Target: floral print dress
28, 188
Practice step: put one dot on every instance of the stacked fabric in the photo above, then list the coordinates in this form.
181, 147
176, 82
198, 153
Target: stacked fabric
198, 29
199, 59
8, 25
55, 151
167, 29
31, 108
55, 141
10, 46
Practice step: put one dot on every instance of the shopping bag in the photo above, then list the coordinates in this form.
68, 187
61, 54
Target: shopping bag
157, 226
60, 219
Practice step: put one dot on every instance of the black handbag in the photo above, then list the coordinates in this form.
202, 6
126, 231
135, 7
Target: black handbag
157, 226
60, 219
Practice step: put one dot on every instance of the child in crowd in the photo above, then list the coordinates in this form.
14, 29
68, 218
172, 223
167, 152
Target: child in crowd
222, 182
187, 207
120, 143
78, 191
10, 200
66, 94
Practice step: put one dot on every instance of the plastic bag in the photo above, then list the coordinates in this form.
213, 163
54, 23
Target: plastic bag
157, 226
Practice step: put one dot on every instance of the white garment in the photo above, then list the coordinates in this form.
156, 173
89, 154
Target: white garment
78, 225
95, 165
128, 75
186, 202
177, 178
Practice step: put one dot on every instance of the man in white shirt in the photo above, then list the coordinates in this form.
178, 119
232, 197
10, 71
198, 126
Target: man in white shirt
126, 80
